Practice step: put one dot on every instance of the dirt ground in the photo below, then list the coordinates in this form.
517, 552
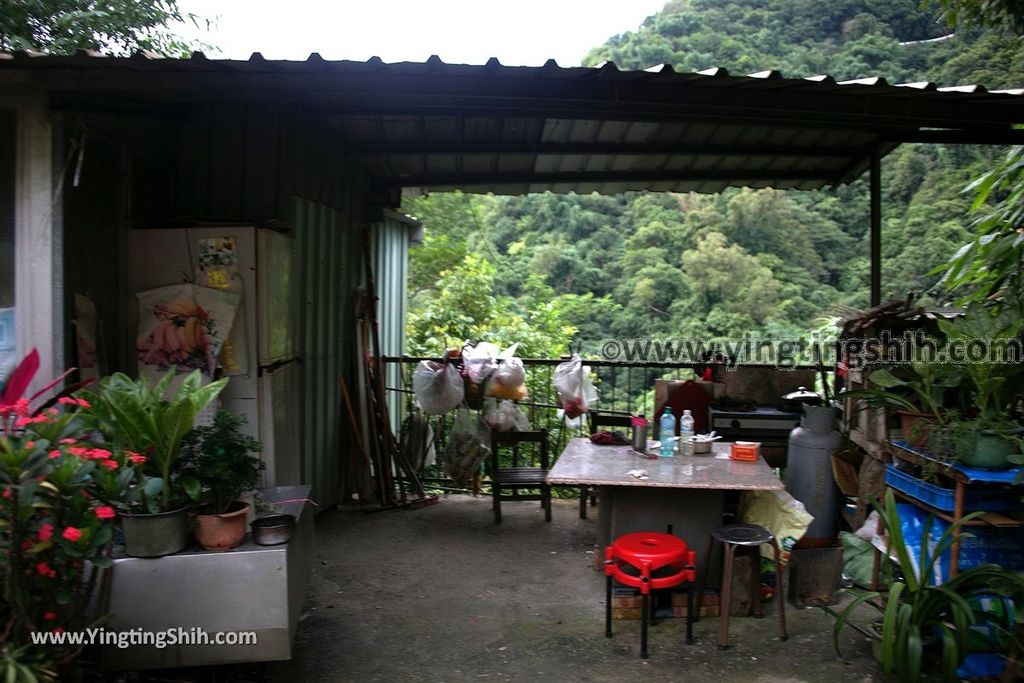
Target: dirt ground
442, 593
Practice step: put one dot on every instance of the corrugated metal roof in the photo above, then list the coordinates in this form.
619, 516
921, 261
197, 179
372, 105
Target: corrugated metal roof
525, 129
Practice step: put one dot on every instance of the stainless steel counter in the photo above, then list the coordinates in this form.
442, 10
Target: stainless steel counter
253, 588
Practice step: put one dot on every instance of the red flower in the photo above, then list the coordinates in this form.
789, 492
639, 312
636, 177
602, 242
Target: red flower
71, 534
98, 453
135, 457
55, 453
30, 444
70, 401
44, 569
110, 464
45, 532
105, 512
50, 616
80, 451
67, 441
6, 493
25, 421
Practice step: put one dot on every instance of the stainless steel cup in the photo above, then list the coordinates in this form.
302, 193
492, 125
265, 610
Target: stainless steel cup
640, 438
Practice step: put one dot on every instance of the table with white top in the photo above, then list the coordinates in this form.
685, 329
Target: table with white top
686, 492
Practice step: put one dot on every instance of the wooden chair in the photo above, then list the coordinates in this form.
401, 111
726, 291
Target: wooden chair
520, 475
597, 422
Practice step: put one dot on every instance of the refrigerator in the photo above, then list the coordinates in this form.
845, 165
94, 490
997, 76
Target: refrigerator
257, 264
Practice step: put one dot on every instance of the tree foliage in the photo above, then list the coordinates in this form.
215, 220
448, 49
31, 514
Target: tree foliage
116, 27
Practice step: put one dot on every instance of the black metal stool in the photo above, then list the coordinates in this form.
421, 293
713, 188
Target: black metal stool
731, 537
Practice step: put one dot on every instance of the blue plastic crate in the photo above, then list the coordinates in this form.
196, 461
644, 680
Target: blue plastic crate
986, 499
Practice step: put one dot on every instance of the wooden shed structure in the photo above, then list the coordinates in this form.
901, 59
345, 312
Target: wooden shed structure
92, 145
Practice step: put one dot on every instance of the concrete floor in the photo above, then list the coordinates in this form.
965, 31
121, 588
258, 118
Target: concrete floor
443, 594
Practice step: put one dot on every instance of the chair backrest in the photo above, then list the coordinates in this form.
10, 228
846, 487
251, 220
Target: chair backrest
599, 420
514, 439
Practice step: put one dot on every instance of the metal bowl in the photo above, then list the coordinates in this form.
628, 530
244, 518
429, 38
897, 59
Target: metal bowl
273, 529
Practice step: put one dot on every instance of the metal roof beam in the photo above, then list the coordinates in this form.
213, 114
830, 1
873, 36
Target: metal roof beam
988, 136
597, 177
482, 93
610, 148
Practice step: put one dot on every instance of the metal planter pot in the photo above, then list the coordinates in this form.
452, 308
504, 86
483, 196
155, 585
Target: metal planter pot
147, 535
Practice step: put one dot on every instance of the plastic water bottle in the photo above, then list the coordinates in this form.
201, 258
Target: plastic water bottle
667, 432
686, 433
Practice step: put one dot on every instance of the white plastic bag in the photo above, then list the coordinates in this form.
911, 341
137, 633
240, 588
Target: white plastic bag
466, 447
574, 388
438, 386
509, 381
505, 416
480, 361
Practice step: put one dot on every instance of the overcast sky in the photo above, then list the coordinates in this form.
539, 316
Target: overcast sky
517, 32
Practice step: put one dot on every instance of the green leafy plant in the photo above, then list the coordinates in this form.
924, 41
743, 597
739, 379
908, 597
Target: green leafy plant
925, 382
55, 530
221, 458
134, 415
919, 615
995, 378
991, 265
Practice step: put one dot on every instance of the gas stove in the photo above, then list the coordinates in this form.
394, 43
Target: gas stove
757, 424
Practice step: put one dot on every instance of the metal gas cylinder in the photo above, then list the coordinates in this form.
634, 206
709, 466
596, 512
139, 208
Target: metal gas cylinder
809, 472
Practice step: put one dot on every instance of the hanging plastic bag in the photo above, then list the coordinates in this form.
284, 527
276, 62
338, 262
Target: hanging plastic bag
466, 448
505, 416
418, 440
574, 388
479, 361
437, 386
509, 381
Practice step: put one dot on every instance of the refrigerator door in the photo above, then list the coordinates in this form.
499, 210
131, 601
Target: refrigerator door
279, 424
275, 253
158, 257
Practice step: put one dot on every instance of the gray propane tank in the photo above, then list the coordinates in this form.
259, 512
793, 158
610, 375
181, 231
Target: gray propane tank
809, 472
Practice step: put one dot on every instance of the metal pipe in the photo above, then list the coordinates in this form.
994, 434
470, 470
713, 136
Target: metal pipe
876, 228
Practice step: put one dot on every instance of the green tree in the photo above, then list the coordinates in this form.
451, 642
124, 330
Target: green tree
116, 27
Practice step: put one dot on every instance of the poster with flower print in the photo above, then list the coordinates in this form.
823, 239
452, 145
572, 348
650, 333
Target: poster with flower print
183, 326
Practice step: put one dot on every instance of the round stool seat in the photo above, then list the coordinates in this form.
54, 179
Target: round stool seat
743, 534
647, 546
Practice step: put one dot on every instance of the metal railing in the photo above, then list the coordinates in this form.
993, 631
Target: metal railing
624, 388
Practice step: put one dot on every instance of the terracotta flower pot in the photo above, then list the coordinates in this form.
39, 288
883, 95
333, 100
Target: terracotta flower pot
224, 531
915, 427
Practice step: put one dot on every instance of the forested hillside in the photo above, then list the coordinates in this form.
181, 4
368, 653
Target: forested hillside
533, 268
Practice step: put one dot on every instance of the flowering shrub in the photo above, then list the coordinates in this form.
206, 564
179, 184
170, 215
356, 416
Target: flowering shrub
56, 516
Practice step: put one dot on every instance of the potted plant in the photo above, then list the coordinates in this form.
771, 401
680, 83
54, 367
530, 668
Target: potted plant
138, 419
55, 531
224, 462
915, 392
922, 621
987, 435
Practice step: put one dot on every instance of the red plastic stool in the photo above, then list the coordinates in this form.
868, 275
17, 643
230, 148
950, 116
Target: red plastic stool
649, 561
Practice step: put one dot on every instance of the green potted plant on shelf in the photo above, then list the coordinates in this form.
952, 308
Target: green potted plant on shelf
921, 621
986, 434
915, 391
147, 421
225, 462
